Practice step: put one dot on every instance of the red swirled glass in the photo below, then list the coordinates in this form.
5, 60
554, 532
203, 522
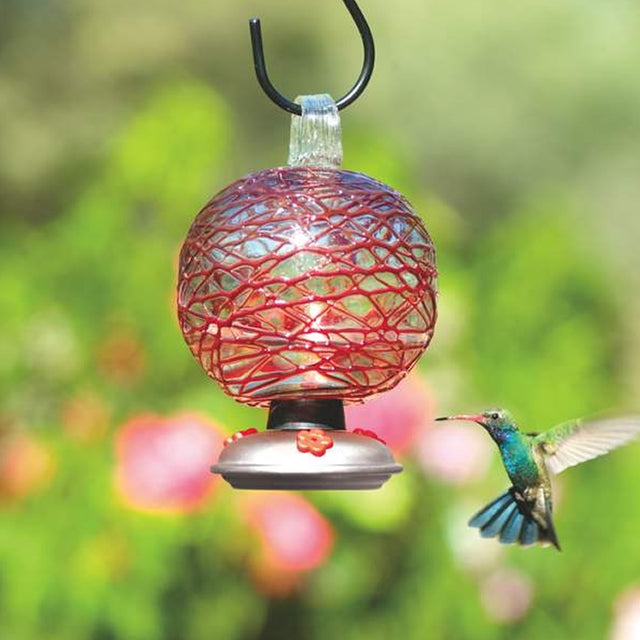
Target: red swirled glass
304, 282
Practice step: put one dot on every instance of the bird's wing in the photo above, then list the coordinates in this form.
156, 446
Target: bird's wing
574, 442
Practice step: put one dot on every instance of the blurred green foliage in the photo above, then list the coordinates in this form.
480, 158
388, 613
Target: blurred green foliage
514, 132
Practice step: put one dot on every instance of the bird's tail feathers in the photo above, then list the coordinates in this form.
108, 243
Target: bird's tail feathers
510, 518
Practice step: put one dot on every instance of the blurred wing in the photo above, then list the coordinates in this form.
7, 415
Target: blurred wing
575, 442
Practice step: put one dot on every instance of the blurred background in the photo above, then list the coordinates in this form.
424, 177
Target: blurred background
514, 129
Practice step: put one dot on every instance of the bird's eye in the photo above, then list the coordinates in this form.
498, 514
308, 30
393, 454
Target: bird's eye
495, 415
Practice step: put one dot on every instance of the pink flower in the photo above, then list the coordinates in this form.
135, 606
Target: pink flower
506, 595
454, 453
162, 464
314, 441
292, 532
626, 623
396, 416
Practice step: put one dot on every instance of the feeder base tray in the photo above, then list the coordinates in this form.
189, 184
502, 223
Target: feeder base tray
272, 460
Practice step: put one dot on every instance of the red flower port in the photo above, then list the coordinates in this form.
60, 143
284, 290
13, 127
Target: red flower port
238, 435
162, 464
314, 441
369, 434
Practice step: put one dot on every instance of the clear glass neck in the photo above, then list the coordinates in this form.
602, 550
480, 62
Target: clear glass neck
316, 138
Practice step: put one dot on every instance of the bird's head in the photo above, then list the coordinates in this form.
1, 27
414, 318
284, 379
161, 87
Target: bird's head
498, 422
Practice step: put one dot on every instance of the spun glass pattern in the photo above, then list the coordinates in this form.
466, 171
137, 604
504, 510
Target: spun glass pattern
307, 282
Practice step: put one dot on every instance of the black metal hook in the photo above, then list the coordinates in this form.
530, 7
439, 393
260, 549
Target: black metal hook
347, 98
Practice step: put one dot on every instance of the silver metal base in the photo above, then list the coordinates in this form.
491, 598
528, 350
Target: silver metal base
271, 460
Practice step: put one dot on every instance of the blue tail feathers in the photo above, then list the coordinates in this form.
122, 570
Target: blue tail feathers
510, 518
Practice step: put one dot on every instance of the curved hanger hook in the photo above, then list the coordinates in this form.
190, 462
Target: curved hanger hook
347, 98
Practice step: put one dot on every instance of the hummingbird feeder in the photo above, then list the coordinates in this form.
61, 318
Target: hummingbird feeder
302, 288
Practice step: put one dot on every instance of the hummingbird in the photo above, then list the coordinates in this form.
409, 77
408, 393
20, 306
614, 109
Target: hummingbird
523, 514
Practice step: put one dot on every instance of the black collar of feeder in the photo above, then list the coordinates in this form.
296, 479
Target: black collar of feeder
306, 414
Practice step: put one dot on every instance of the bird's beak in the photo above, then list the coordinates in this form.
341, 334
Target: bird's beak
478, 417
